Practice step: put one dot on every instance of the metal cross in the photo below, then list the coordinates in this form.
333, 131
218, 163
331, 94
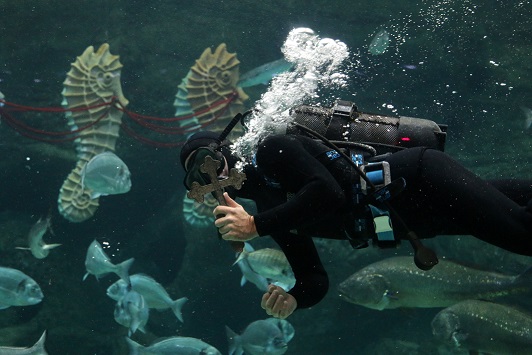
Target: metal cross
198, 191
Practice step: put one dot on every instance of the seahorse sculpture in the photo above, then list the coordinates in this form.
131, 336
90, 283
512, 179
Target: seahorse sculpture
93, 80
199, 214
210, 81
202, 93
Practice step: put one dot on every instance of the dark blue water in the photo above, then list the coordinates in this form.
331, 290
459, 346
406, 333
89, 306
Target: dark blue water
459, 63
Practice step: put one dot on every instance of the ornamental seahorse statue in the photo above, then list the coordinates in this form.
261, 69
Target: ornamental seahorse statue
94, 79
210, 81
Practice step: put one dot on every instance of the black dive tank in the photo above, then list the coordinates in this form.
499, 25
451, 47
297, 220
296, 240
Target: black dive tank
343, 122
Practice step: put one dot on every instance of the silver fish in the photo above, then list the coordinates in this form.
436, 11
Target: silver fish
247, 272
270, 264
18, 289
153, 292
106, 174
484, 327
98, 263
36, 349
268, 336
264, 73
173, 345
37, 246
397, 282
380, 42
132, 312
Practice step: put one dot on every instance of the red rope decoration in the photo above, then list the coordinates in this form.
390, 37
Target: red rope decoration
142, 120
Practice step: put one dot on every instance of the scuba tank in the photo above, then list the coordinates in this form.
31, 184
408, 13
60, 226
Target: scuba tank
343, 122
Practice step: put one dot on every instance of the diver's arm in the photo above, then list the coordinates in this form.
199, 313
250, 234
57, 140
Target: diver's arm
312, 282
317, 193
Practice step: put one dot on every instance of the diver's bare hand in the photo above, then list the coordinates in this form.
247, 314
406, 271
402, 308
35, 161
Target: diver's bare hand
236, 224
278, 303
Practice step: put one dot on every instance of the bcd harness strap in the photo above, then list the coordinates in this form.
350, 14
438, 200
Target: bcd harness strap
379, 175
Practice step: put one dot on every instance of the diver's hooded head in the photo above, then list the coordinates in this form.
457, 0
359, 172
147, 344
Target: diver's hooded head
198, 140
197, 147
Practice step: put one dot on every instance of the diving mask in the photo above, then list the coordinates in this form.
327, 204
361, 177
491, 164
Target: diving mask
194, 163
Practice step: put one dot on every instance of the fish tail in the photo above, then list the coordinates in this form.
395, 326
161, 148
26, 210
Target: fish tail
134, 347
122, 270
234, 342
176, 307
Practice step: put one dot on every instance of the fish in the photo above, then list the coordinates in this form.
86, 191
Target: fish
39, 249
36, 349
267, 336
153, 292
247, 272
98, 263
18, 289
132, 312
397, 282
106, 174
481, 326
173, 345
528, 117
264, 73
270, 264
380, 42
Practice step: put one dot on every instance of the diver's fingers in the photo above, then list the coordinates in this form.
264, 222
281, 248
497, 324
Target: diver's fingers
279, 306
271, 300
220, 222
230, 202
283, 313
222, 210
263, 300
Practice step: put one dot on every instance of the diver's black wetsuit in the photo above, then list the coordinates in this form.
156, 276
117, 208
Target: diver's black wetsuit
441, 197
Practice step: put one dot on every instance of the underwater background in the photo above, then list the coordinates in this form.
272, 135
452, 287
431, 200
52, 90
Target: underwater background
466, 64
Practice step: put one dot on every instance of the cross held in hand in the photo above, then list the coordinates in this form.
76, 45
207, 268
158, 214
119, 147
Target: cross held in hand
209, 167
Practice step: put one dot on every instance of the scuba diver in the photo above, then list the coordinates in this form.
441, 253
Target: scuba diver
354, 176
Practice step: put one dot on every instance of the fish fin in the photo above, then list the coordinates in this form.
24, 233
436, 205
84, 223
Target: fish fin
241, 256
38, 347
234, 342
122, 270
22, 248
85, 276
50, 246
243, 281
248, 247
176, 307
4, 306
134, 347
95, 195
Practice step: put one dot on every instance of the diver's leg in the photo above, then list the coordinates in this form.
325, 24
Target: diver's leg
518, 190
442, 197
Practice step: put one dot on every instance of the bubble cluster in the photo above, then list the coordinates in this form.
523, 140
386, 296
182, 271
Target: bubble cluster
317, 62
